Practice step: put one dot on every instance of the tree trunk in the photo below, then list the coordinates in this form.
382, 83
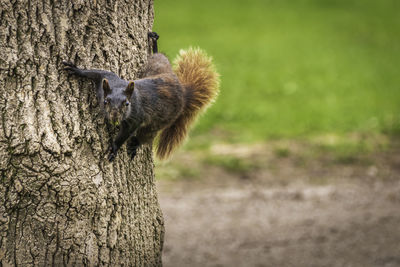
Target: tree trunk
61, 201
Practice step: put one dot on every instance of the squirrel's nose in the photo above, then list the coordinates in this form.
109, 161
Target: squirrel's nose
114, 116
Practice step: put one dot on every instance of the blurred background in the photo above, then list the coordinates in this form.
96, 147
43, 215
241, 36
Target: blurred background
298, 161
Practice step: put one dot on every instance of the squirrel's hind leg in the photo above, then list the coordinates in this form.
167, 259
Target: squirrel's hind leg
153, 36
144, 136
131, 146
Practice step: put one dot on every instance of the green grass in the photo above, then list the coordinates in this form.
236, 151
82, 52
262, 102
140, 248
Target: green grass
292, 69
231, 163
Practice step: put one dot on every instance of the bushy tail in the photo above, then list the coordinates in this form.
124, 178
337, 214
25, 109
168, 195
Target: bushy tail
200, 80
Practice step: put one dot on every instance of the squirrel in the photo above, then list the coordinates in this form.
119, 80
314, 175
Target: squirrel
164, 103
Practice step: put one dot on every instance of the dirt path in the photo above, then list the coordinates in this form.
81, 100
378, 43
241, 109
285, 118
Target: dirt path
345, 221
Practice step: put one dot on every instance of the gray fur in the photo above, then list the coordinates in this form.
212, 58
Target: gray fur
156, 102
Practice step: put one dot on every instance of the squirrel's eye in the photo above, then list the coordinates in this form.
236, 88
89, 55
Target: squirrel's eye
105, 102
127, 103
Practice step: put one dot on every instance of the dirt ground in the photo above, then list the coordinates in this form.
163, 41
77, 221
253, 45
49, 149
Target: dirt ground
318, 214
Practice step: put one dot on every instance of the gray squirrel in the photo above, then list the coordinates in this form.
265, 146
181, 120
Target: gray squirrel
164, 102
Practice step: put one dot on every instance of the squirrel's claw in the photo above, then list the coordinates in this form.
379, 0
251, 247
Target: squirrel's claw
111, 157
69, 64
132, 153
153, 35
112, 152
69, 69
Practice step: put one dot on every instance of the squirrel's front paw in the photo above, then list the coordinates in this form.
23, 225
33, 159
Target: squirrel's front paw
112, 152
132, 152
70, 67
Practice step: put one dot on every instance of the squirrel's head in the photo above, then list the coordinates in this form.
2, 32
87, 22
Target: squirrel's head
117, 102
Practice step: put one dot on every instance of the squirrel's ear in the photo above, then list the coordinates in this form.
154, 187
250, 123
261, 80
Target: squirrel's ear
106, 87
129, 89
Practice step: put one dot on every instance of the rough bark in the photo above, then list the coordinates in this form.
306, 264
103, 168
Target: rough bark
61, 202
